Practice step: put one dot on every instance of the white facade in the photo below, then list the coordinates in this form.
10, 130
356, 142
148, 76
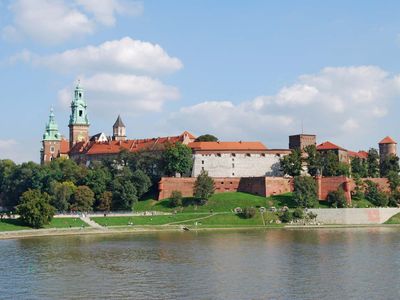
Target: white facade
237, 164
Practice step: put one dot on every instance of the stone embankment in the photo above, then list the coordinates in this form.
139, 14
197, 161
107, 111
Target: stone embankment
355, 216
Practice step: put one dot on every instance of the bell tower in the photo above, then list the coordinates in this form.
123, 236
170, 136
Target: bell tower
51, 143
119, 130
78, 120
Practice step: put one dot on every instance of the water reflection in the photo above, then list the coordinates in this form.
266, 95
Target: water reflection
264, 264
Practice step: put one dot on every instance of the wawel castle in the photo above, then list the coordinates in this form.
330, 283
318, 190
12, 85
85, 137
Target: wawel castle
220, 159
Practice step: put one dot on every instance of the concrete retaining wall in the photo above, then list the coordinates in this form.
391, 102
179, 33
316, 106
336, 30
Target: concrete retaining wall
354, 215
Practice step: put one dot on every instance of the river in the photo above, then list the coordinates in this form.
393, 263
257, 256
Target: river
352, 263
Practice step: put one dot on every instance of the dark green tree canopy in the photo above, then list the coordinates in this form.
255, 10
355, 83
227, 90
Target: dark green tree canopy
35, 209
178, 159
313, 160
204, 186
82, 199
373, 163
305, 191
206, 138
292, 164
389, 164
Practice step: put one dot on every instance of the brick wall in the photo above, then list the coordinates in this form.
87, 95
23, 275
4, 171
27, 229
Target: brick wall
262, 186
330, 184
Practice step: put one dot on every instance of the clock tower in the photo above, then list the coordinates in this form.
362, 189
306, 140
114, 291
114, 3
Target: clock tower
78, 120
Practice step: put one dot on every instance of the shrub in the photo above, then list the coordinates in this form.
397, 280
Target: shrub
203, 187
286, 217
175, 199
374, 195
248, 212
305, 191
337, 198
311, 215
298, 213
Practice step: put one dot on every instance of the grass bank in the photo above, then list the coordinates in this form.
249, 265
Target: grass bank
394, 220
17, 224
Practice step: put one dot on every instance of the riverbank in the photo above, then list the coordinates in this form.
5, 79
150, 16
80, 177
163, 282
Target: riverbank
162, 228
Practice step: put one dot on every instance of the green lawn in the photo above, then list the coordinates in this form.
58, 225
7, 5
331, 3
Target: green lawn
217, 219
394, 220
221, 202
16, 224
66, 223
147, 220
361, 203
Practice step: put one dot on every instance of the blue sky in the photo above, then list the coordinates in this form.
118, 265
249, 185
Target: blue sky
242, 70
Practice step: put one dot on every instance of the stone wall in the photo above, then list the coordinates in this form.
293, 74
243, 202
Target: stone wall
236, 164
355, 216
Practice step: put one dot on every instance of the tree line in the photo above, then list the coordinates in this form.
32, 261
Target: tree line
110, 184
328, 164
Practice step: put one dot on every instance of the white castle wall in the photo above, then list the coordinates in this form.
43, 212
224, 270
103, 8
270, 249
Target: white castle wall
238, 165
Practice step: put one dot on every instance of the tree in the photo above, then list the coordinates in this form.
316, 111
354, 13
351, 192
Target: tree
359, 187
332, 166
141, 182
82, 199
105, 201
61, 193
175, 199
178, 159
124, 194
35, 209
305, 191
203, 187
394, 184
313, 160
337, 198
359, 167
292, 164
286, 216
248, 212
206, 138
389, 164
373, 163
374, 195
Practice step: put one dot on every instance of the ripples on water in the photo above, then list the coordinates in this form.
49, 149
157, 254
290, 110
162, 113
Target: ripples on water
273, 264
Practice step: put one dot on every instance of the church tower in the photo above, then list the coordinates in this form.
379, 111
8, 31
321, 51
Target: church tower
119, 130
51, 143
78, 120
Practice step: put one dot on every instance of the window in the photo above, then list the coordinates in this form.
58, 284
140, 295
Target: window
52, 149
202, 168
202, 162
248, 154
263, 154
233, 174
219, 154
80, 113
80, 95
233, 165
233, 154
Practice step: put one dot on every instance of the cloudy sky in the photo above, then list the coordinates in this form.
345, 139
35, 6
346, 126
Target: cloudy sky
241, 70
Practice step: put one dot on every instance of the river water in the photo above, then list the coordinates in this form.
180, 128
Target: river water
353, 263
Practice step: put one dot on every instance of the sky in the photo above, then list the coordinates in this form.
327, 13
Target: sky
240, 70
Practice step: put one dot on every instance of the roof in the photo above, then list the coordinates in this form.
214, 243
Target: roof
227, 146
64, 146
387, 140
329, 146
360, 154
114, 147
118, 122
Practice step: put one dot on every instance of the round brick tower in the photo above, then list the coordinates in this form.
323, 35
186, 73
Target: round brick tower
387, 147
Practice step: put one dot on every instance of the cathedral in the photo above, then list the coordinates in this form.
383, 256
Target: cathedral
84, 148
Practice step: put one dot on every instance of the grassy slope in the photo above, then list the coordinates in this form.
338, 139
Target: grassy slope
394, 220
16, 224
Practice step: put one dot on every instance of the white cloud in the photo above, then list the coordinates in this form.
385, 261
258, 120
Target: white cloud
124, 55
333, 103
7, 144
130, 94
55, 21
104, 10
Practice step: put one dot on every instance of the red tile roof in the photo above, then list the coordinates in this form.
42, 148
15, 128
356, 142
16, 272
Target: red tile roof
329, 146
114, 147
360, 154
387, 140
64, 146
227, 146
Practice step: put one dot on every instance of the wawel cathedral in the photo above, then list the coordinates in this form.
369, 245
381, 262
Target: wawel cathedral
84, 148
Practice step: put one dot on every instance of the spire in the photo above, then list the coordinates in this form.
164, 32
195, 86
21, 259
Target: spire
79, 107
51, 133
118, 122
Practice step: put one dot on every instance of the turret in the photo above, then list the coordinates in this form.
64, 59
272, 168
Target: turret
51, 142
119, 130
387, 148
78, 120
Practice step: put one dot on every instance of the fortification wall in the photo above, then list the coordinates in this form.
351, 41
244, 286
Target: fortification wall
355, 216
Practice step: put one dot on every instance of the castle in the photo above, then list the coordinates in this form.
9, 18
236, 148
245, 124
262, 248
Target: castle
220, 159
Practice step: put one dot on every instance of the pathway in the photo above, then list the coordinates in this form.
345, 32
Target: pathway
190, 220
91, 223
